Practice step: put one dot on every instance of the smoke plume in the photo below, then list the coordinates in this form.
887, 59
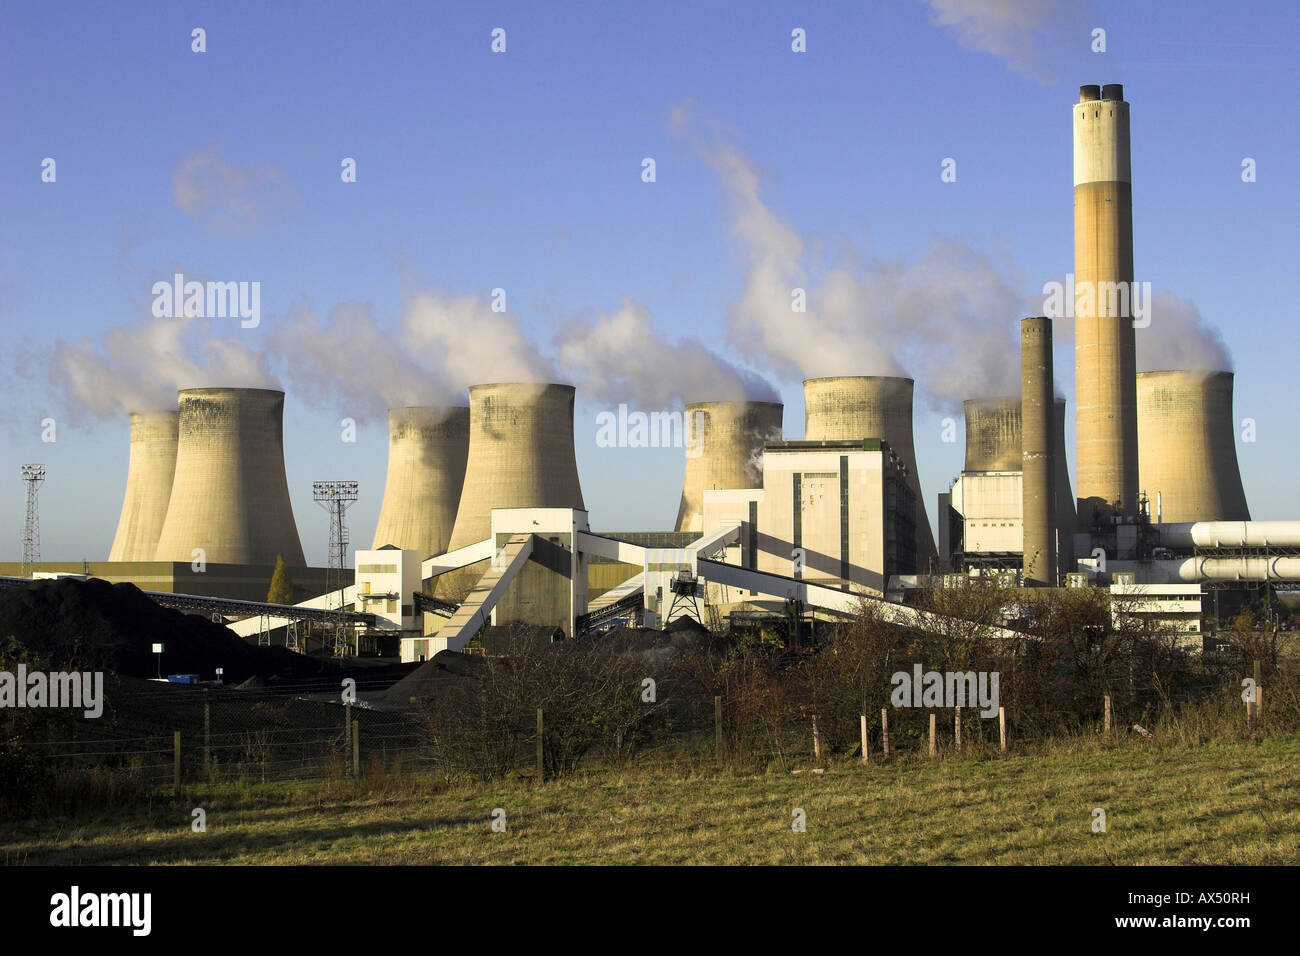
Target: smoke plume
1180, 338
1033, 37
229, 199
947, 318
621, 358
141, 367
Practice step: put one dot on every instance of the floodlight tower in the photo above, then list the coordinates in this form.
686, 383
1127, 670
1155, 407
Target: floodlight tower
336, 497
33, 475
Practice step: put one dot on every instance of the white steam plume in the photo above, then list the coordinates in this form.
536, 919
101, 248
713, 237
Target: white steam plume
1179, 338
621, 358
142, 366
948, 318
1033, 37
347, 361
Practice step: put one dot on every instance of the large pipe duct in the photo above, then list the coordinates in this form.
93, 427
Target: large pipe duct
1189, 451
427, 449
149, 478
1229, 535
1248, 568
230, 496
1105, 404
520, 455
993, 437
854, 407
724, 449
1038, 481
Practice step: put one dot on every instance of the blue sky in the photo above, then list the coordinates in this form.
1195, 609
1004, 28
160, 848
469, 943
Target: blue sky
522, 171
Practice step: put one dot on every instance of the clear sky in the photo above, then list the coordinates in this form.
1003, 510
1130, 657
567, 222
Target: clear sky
522, 171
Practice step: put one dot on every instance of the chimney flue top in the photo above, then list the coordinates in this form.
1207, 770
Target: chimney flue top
1089, 93
1113, 91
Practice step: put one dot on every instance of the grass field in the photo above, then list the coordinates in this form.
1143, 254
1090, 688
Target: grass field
1227, 803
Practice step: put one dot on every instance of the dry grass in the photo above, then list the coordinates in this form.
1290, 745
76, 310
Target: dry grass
1224, 803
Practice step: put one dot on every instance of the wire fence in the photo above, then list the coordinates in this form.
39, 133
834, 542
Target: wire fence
167, 736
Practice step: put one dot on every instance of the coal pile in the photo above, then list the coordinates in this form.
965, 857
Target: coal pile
93, 624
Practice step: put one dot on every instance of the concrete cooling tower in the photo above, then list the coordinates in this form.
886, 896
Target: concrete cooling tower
427, 448
230, 496
992, 434
724, 449
148, 486
995, 425
1189, 452
520, 455
849, 408
1105, 385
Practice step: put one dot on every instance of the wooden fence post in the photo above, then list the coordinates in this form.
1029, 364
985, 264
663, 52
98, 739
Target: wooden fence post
866, 746
541, 767
884, 731
1002, 727
1107, 724
356, 749
207, 735
957, 729
717, 728
176, 761
347, 729
933, 741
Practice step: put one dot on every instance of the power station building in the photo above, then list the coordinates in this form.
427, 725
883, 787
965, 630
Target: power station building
483, 518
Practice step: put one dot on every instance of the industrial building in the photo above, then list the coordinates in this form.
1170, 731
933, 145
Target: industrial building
850, 408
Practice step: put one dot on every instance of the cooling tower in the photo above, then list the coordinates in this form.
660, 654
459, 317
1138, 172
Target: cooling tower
427, 447
1038, 479
148, 486
724, 449
870, 406
987, 419
1189, 452
520, 455
1105, 404
230, 496
992, 434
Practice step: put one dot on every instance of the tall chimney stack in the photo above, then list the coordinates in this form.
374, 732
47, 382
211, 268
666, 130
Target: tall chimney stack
1038, 479
1105, 362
